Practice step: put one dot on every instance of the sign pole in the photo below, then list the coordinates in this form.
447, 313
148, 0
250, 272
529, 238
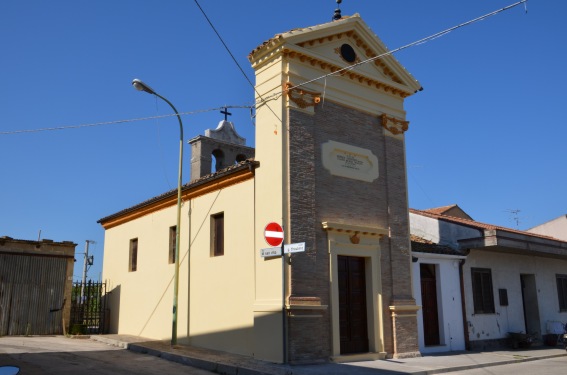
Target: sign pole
283, 306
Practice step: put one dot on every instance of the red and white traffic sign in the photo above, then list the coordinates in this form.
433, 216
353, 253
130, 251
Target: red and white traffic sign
273, 233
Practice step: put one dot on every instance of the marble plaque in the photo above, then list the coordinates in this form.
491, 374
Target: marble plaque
349, 161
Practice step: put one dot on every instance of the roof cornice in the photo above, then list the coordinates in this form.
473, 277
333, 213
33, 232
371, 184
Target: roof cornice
207, 184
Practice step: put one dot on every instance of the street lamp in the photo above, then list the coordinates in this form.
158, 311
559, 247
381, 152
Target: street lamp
141, 86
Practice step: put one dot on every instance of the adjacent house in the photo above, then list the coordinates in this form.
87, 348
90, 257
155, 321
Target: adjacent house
437, 289
329, 167
554, 228
511, 281
36, 281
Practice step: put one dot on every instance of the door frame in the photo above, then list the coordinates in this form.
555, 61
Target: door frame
438, 306
532, 320
340, 242
360, 343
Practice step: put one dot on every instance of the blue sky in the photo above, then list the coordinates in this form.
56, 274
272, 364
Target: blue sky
487, 132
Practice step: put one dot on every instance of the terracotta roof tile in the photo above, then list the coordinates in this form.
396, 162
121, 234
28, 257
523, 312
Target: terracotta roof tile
421, 245
440, 210
475, 224
248, 163
279, 36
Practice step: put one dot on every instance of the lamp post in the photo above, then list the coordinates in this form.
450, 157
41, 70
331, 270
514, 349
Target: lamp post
141, 86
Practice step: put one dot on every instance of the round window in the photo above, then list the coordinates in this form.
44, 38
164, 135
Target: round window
347, 53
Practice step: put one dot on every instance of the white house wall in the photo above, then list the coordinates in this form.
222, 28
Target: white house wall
555, 228
440, 232
506, 270
451, 331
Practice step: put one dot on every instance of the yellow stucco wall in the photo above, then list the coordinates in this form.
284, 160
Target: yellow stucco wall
223, 296
141, 302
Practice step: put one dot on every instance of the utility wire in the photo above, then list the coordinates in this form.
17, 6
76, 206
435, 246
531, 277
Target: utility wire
114, 122
234, 59
224, 44
272, 97
413, 44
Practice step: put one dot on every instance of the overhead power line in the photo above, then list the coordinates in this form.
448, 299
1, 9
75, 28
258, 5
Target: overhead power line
273, 96
413, 44
115, 121
234, 59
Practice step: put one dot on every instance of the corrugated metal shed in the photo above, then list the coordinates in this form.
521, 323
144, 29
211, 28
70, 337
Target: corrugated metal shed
34, 286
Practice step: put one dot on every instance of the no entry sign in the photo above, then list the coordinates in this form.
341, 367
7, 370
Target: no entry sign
273, 233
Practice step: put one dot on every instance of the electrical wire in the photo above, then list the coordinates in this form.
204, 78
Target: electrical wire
116, 121
413, 44
234, 59
274, 96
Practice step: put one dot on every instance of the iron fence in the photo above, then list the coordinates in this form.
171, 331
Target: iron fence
88, 308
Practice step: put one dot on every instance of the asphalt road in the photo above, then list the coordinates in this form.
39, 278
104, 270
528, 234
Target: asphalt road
60, 356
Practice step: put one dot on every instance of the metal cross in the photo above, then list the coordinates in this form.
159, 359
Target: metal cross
226, 114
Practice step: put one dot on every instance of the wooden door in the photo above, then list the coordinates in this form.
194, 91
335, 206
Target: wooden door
429, 304
352, 305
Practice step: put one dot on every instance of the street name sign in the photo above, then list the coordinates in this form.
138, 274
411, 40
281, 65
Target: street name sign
294, 248
271, 252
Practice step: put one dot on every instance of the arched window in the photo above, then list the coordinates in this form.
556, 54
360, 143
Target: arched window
218, 161
240, 157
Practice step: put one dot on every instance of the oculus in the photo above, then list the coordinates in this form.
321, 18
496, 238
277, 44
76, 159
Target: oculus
347, 53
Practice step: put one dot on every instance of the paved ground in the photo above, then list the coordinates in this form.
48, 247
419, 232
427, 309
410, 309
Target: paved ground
58, 355
107, 355
555, 365
431, 364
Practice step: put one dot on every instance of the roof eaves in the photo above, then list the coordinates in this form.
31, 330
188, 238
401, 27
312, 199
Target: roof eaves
246, 164
475, 224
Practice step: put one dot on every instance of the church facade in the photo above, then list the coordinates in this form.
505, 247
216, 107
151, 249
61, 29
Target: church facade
329, 167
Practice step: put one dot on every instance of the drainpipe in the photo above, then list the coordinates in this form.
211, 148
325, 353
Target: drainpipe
463, 305
189, 274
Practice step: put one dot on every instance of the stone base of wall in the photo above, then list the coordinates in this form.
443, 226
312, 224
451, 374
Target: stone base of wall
407, 355
308, 333
404, 326
481, 345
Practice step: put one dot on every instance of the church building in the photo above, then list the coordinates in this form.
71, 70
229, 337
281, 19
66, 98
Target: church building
329, 168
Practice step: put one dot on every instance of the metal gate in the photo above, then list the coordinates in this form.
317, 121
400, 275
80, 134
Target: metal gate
88, 308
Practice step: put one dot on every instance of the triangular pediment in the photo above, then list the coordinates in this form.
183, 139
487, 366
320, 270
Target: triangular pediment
341, 44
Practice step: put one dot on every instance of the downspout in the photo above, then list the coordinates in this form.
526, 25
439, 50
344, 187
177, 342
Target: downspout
463, 305
189, 274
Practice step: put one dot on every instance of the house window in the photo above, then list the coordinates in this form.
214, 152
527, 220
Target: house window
483, 295
133, 258
172, 242
562, 291
217, 234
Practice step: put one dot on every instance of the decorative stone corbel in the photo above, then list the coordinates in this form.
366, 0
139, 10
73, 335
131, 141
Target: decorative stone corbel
354, 238
394, 125
301, 97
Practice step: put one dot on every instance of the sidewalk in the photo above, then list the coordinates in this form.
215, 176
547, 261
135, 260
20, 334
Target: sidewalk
226, 363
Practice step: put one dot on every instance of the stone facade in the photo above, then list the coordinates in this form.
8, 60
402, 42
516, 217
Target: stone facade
317, 196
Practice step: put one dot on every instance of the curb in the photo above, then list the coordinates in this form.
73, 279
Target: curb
489, 364
112, 342
208, 365
235, 366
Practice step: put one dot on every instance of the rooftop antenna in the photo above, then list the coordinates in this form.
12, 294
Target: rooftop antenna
337, 15
515, 216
